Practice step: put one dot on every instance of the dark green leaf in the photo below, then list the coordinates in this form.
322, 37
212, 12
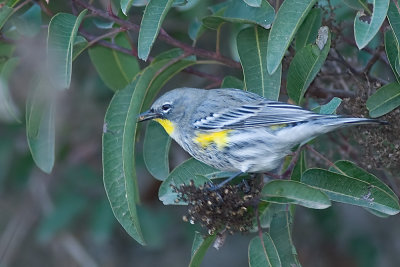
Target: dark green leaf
263, 253
351, 190
252, 48
308, 30
392, 52
60, 41
281, 234
155, 151
200, 247
116, 69
356, 4
239, 12
293, 192
393, 15
196, 29
80, 45
384, 100
8, 109
183, 174
288, 19
232, 82
365, 28
5, 13
304, 67
299, 168
153, 17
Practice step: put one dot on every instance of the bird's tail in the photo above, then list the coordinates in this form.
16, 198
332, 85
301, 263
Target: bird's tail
343, 121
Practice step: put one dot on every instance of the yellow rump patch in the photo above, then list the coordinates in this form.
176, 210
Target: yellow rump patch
277, 126
168, 126
219, 138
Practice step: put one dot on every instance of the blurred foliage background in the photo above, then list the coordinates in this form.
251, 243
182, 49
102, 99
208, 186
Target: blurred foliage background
64, 218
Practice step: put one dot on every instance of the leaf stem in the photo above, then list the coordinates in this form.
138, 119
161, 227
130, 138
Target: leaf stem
330, 163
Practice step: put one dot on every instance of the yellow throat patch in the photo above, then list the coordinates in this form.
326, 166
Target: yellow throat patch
168, 126
219, 138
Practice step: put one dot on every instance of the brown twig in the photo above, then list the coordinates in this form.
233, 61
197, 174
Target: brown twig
163, 35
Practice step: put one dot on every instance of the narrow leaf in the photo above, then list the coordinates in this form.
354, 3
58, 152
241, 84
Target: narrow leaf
200, 247
281, 234
331, 106
263, 253
392, 52
126, 5
288, 19
304, 67
60, 41
183, 174
365, 28
40, 127
293, 192
153, 17
393, 15
116, 69
386, 99
155, 151
5, 14
8, 109
253, 3
80, 45
308, 30
239, 12
351, 190
252, 48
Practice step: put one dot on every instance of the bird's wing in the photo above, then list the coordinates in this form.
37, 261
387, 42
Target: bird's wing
266, 113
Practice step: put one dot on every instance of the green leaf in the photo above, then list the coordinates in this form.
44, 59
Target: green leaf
183, 174
153, 17
299, 168
352, 170
365, 28
232, 82
115, 68
288, 19
119, 137
263, 253
29, 23
200, 247
293, 192
352, 190
330, 108
356, 4
8, 109
252, 48
120, 186
393, 15
80, 45
392, 52
126, 5
40, 130
304, 67
6, 52
196, 29
60, 41
281, 234
386, 99
5, 14
308, 30
253, 3
155, 151
239, 12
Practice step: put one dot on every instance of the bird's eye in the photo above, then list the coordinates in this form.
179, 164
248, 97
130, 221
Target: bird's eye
166, 107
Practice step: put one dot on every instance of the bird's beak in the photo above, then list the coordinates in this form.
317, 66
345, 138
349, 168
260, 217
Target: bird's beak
148, 115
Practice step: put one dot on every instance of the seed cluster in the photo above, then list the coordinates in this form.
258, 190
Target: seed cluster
228, 208
380, 145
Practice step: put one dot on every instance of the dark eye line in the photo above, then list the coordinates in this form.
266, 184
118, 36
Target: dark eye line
166, 107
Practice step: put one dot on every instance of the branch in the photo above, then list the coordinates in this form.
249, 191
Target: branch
163, 35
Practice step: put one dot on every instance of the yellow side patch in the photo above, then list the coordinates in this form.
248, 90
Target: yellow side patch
169, 127
277, 126
219, 138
